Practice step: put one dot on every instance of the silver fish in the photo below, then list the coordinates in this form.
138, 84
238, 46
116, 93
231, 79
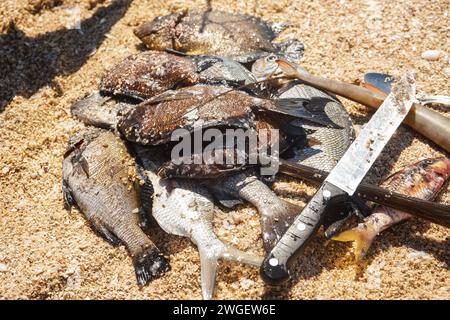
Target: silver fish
184, 208
276, 214
96, 179
325, 143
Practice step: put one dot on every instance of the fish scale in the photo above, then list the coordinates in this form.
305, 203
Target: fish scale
185, 208
95, 177
331, 141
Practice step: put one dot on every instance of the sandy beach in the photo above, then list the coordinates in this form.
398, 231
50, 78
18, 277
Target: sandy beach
53, 52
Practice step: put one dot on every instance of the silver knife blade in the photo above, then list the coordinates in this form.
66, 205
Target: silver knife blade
362, 153
342, 181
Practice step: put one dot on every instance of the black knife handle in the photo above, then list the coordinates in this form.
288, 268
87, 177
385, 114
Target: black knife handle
435, 212
275, 267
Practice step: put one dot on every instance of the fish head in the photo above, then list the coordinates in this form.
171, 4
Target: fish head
265, 68
158, 34
439, 167
437, 171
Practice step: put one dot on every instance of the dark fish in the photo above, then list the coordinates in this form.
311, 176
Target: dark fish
149, 73
267, 134
185, 208
154, 120
236, 36
96, 178
422, 180
276, 214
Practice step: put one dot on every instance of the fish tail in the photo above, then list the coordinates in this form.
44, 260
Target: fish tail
209, 261
208, 267
149, 264
363, 238
275, 220
233, 254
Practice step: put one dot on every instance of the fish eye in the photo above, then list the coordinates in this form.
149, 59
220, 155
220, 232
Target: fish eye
271, 58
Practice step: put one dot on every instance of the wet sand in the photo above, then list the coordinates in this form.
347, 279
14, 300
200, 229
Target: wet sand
49, 253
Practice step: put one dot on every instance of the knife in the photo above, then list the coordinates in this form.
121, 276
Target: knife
342, 181
435, 212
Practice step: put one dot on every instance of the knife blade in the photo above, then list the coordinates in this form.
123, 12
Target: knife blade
342, 181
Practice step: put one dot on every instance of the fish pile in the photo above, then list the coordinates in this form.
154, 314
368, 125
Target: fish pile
208, 70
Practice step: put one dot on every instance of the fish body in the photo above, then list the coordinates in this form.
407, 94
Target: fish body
326, 144
268, 134
150, 73
235, 36
276, 214
152, 123
422, 180
201, 106
96, 179
185, 208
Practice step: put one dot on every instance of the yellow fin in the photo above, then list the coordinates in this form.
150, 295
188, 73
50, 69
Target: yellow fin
362, 238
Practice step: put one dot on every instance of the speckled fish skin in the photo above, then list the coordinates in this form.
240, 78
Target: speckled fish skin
201, 106
276, 214
184, 208
96, 179
422, 180
147, 74
150, 73
153, 123
235, 36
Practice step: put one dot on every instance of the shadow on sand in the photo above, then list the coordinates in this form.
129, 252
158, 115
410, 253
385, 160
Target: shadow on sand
28, 64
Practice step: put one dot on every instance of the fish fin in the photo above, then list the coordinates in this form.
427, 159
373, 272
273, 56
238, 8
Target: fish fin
145, 192
229, 203
298, 107
84, 165
274, 223
232, 254
208, 266
170, 95
225, 199
149, 264
69, 201
209, 263
104, 232
335, 219
362, 238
